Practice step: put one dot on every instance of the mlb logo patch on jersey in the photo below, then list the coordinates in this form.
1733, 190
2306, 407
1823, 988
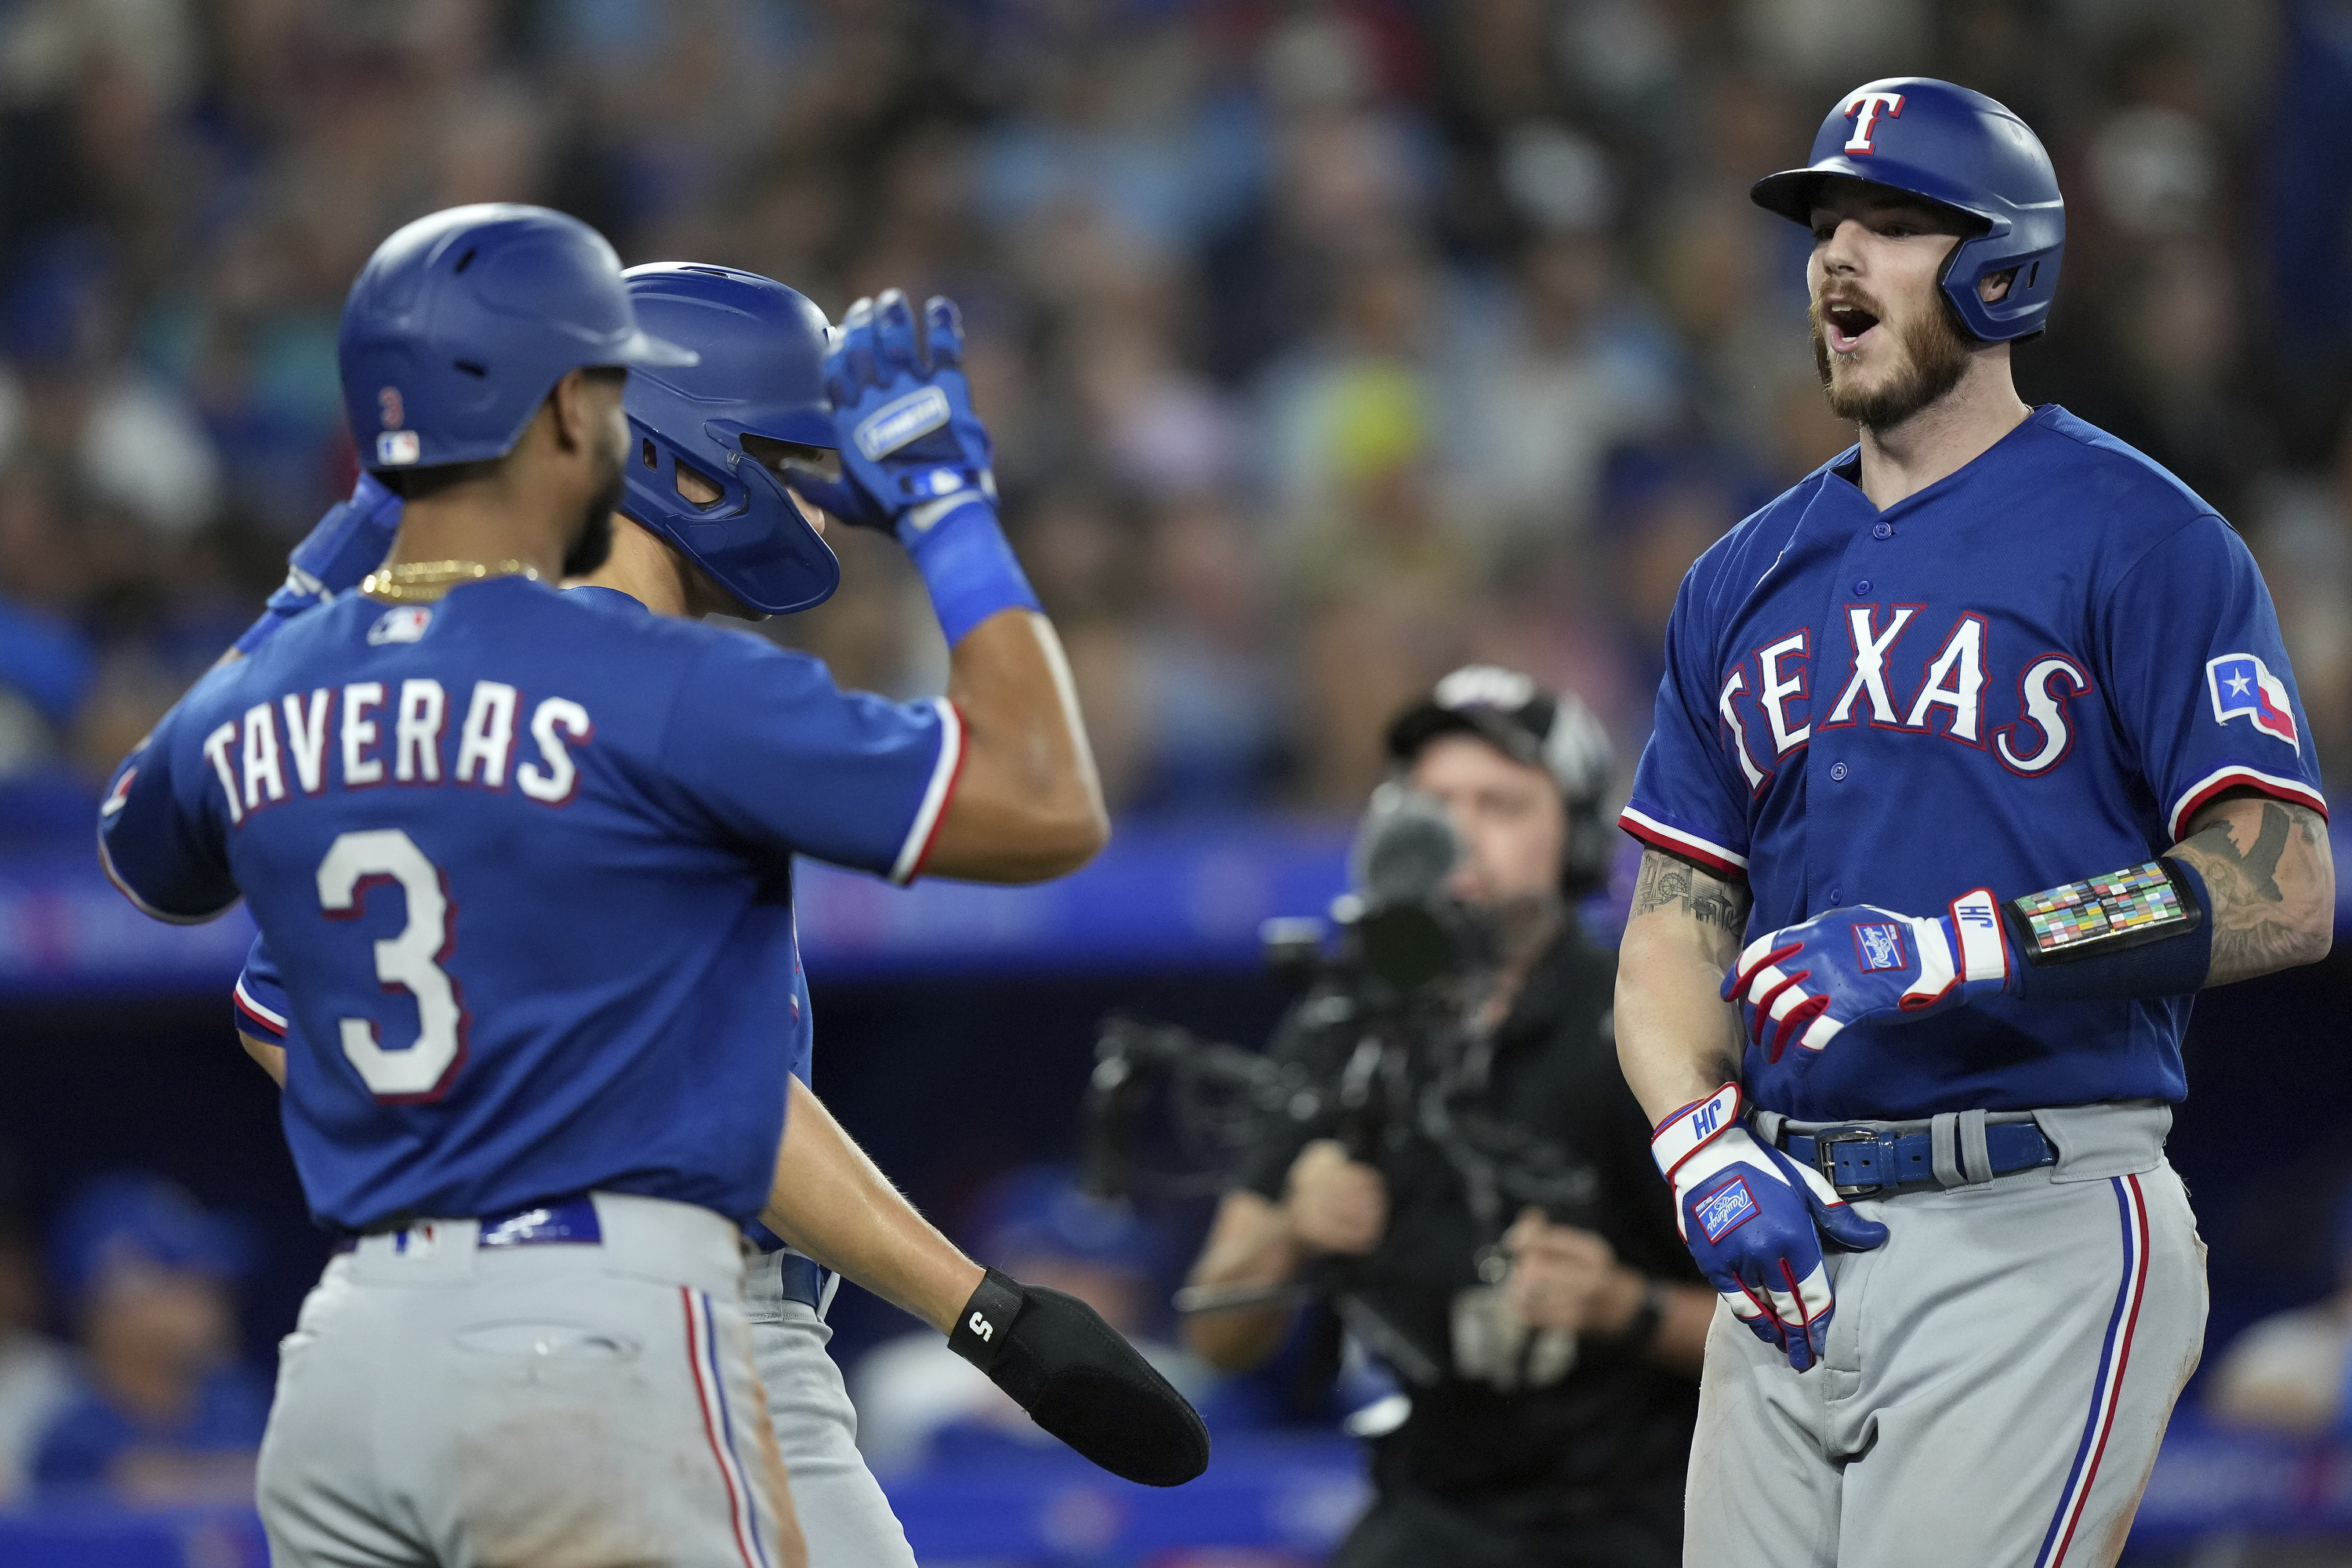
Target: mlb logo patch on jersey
404, 622
1725, 1209
1880, 945
2242, 684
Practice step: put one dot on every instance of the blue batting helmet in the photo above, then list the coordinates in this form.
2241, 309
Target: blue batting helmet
1960, 150
462, 322
761, 373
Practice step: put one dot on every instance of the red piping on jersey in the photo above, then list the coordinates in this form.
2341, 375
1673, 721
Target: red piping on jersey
2293, 794
963, 755
1681, 849
275, 1028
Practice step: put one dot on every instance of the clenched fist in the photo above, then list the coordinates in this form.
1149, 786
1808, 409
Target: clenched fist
1334, 1204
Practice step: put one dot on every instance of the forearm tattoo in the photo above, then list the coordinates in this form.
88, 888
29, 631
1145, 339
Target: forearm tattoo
2261, 924
1666, 882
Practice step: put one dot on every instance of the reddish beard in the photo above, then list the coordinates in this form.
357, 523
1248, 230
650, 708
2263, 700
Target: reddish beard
1936, 356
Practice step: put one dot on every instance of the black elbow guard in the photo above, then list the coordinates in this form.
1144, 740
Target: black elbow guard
1079, 1380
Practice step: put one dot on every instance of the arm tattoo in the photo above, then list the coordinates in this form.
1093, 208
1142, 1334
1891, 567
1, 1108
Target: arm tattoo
2258, 925
1665, 882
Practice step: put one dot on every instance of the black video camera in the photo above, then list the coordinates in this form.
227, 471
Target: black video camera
1381, 1050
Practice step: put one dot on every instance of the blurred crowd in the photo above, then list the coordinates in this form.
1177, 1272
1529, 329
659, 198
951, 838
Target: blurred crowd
1328, 345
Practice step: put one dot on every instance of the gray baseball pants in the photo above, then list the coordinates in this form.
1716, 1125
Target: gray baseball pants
846, 1520
1997, 1379
571, 1406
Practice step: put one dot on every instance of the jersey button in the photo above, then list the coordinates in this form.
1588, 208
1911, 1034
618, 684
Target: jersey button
1837, 771
1862, 588
1837, 897
1882, 530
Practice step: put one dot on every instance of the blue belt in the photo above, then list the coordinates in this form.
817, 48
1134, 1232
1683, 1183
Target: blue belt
1857, 1161
567, 1221
803, 1279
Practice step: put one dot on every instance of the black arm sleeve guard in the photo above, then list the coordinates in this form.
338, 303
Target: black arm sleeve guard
1079, 1380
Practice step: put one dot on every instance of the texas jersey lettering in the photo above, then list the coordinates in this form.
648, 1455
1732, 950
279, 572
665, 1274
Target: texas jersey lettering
1998, 664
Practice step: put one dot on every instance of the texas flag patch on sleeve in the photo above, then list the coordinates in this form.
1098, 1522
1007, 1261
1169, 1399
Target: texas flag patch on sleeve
2242, 686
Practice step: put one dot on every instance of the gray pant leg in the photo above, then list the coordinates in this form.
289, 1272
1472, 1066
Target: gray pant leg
2024, 1343
844, 1514
1760, 1492
597, 1407
316, 1478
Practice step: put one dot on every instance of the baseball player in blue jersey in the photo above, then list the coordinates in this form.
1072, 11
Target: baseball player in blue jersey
524, 858
762, 351
1977, 755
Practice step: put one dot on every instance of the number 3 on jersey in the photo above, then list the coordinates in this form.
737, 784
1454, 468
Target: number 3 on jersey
410, 961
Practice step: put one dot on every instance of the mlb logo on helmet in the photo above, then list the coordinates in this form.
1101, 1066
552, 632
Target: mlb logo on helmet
396, 448
1880, 946
2242, 684
1725, 1209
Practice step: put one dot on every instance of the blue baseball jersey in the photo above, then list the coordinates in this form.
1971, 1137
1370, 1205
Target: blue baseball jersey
525, 860
262, 1009
2035, 670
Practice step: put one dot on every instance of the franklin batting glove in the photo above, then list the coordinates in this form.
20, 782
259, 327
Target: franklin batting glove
1079, 1380
912, 450
350, 542
1803, 983
915, 457
1754, 1220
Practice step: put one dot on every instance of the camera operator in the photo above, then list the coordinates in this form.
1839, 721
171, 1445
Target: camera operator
1503, 1460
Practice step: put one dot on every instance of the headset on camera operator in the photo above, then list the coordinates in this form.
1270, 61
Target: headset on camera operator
1553, 1411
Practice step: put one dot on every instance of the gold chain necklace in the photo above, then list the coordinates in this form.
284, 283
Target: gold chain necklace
422, 580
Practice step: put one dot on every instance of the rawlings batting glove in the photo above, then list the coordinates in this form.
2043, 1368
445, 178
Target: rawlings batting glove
1080, 1381
1803, 983
350, 542
915, 457
1753, 1219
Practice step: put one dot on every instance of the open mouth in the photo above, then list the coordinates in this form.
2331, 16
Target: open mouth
1847, 325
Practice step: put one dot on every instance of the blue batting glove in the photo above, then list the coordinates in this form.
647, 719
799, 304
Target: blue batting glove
1801, 984
1754, 1220
915, 457
912, 450
350, 542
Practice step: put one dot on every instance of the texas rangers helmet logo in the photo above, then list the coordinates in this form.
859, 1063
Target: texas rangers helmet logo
1880, 946
1864, 111
2242, 684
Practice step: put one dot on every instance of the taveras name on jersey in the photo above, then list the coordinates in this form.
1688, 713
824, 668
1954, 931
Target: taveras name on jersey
2035, 670
525, 860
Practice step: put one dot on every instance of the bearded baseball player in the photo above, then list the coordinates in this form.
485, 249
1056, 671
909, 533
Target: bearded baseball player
763, 349
525, 860
1977, 755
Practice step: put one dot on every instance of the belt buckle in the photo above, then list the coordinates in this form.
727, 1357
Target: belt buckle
1826, 1146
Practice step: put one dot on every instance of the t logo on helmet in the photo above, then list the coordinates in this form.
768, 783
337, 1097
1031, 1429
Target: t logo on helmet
1868, 108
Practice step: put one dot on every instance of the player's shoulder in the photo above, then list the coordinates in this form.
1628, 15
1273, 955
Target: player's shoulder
1749, 549
2066, 456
